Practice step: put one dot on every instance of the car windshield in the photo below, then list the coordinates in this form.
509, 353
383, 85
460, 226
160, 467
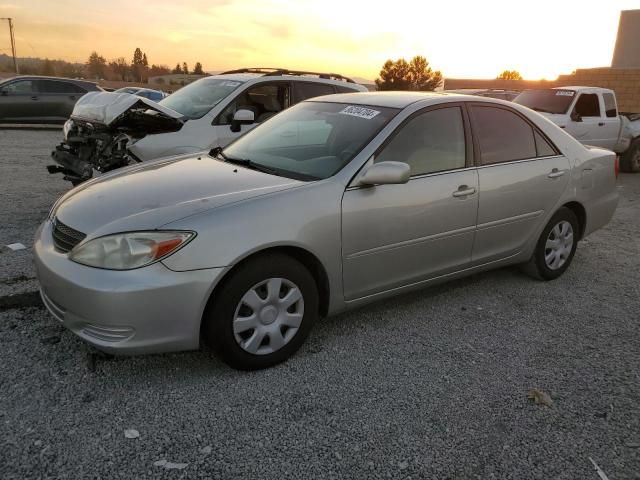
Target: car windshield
546, 101
197, 98
312, 140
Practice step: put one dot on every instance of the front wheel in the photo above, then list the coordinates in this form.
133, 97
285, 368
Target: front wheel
630, 160
556, 246
263, 313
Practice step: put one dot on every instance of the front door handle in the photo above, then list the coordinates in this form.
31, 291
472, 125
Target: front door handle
35, 97
601, 124
555, 173
464, 191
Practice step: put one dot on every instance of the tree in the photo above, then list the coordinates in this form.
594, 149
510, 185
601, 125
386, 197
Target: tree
96, 65
185, 69
157, 70
120, 68
403, 75
139, 65
197, 70
177, 69
47, 68
510, 75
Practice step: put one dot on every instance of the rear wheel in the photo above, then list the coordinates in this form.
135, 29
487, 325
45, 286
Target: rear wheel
556, 246
263, 313
630, 161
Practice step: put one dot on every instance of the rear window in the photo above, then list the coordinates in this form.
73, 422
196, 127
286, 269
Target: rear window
546, 101
503, 135
53, 86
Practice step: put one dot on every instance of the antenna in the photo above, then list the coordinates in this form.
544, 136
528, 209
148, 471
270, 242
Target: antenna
13, 43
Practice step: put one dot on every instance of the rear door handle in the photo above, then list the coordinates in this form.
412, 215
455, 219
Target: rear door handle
464, 191
601, 124
555, 173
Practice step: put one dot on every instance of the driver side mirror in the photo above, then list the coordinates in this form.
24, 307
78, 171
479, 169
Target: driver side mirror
385, 173
242, 117
575, 116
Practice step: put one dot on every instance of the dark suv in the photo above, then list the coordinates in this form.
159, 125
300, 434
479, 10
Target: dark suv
36, 99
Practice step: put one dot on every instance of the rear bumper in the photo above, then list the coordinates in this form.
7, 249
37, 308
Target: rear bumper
148, 310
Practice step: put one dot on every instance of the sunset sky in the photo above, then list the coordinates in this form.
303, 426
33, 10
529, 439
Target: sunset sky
463, 39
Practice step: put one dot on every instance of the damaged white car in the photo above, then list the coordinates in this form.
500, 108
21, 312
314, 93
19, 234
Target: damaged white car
111, 130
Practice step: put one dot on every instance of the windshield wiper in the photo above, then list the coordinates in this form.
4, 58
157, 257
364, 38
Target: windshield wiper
217, 152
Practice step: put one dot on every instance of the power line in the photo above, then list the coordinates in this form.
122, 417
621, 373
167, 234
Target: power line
13, 43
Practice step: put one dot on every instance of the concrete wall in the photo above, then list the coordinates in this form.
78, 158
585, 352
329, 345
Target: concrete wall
627, 51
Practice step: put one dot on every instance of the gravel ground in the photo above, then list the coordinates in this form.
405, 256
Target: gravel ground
429, 385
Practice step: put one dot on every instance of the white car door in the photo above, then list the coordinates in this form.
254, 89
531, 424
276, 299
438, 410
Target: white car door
610, 123
586, 121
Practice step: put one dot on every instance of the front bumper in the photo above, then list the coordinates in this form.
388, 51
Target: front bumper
147, 310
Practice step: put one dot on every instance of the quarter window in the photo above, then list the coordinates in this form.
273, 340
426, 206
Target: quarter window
309, 90
543, 148
587, 105
610, 105
502, 135
430, 142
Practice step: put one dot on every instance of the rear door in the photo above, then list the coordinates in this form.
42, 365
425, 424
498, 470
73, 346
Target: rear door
57, 98
395, 235
521, 177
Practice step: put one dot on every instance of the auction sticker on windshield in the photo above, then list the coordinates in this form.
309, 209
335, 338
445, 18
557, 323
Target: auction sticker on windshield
565, 93
361, 112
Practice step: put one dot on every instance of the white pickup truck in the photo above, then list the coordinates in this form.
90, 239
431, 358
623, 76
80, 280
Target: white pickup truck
590, 114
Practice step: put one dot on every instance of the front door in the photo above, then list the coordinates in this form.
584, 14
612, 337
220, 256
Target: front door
588, 127
264, 100
20, 101
396, 235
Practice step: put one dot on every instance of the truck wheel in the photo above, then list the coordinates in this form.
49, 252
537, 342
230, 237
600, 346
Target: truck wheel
263, 313
555, 248
630, 161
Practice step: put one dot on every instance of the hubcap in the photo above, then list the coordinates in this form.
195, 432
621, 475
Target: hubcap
559, 245
268, 316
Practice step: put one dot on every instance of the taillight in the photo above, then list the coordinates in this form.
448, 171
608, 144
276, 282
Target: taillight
616, 166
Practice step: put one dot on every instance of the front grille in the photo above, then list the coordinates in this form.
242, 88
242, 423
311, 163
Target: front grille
64, 237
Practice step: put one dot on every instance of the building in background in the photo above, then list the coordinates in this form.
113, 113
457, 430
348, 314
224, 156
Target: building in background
627, 51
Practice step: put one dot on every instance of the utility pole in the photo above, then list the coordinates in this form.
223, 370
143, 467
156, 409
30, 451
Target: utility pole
13, 43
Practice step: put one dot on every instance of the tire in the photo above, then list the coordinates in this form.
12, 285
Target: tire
252, 338
553, 254
630, 160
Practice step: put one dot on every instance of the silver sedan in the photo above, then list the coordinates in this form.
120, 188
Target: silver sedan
333, 203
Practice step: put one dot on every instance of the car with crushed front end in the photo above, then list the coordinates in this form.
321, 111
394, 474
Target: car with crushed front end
336, 202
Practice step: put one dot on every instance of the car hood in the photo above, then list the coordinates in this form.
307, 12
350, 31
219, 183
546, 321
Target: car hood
152, 194
124, 110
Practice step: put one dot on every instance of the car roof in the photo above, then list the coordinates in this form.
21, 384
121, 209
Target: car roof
246, 77
579, 88
43, 77
397, 99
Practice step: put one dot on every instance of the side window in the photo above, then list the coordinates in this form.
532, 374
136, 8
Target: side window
340, 89
543, 148
51, 86
20, 87
430, 142
502, 135
306, 90
610, 105
263, 100
587, 105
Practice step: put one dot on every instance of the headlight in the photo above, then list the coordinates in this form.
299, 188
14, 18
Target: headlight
125, 251
66, 128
